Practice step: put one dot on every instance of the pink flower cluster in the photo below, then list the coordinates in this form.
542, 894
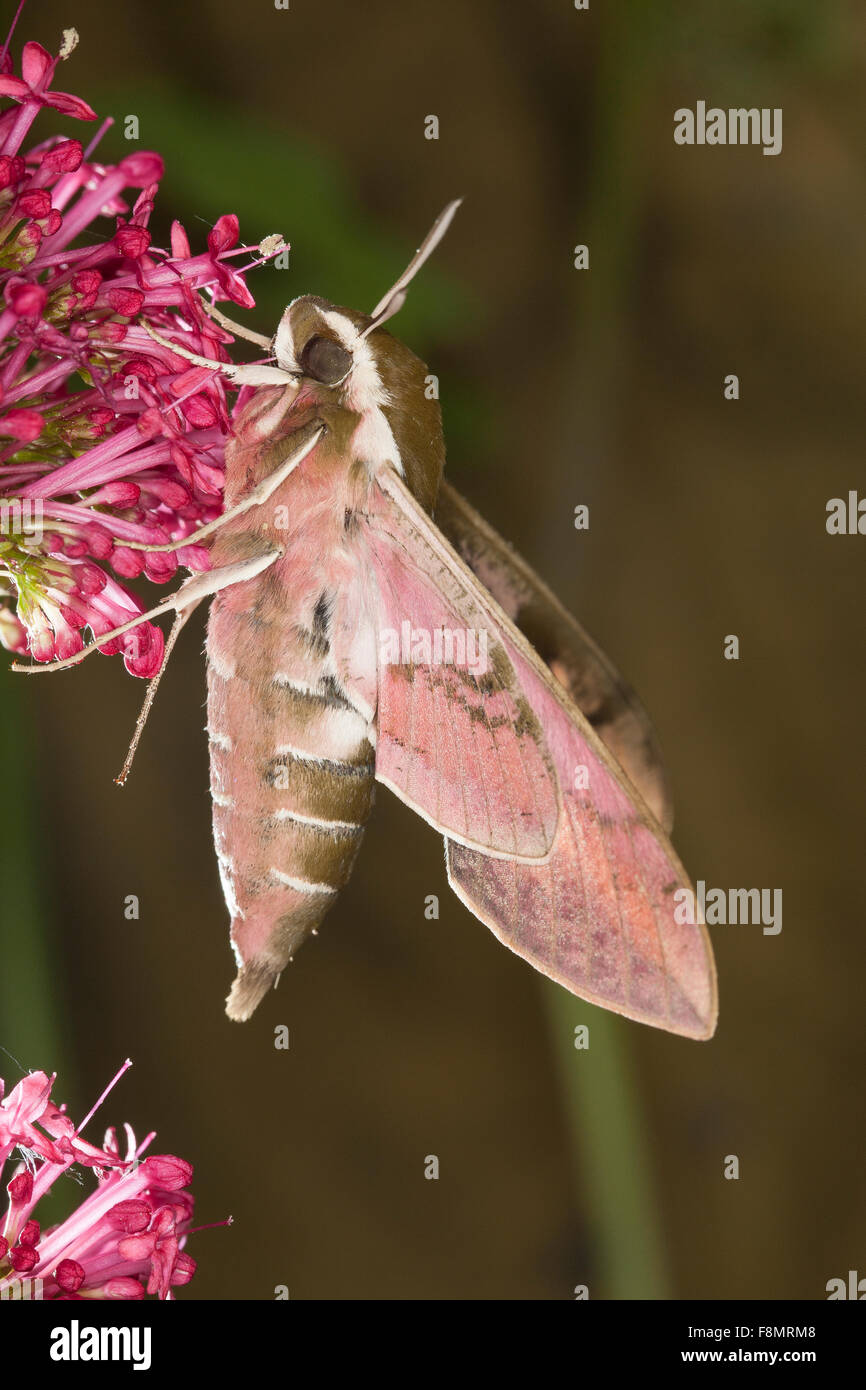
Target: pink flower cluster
123, 1240
106, 436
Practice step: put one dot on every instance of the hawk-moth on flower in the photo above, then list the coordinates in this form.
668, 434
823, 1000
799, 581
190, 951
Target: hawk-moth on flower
344, 570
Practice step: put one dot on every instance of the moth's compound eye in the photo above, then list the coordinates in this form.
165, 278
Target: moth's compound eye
325, 361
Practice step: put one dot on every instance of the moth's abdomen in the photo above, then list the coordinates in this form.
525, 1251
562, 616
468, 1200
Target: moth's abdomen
292, 782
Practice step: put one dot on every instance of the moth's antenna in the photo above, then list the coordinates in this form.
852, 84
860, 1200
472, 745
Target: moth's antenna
149, 698
13, 1058
393, 301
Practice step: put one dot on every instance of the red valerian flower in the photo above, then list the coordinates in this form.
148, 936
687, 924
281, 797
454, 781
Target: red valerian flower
125, 1240
106, 436
32, 87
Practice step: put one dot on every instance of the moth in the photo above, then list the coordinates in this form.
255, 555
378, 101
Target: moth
367, 625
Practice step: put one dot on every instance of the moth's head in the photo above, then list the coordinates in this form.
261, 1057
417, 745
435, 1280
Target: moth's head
326, 346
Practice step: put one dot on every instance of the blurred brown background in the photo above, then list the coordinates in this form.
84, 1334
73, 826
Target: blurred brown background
411, 1037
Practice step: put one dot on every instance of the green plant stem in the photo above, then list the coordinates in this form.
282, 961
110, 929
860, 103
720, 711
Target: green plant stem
29, 1026
608, 1139
599, 1096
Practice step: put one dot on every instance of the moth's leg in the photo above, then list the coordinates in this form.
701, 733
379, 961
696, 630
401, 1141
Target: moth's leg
308, 436
152, 688
197, 587
244, 375
237, 328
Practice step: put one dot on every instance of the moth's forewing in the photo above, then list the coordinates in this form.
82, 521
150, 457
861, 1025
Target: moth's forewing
456, 739
605, 699
598, 914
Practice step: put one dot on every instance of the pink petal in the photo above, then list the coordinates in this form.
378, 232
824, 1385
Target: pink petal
25, 425
65, 158
138, 1247
173, 494
143, 649
164, 1170
20, 1189
160, 567
14, 638
191, 380
131, 1217
142, 168
132, 241
13, 87
11, 170
27, 1100
126, 302
234, 288
120, 494
194, 557
123, 1287
69, 105
184, 1269
224, 234
91, 579
200, 413
36, 61
68, 642
27, 300
179, 242
29, 1234
36, 203
127, 563
100, 544
41, 645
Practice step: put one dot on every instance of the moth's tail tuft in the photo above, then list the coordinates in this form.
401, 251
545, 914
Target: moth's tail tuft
249, 989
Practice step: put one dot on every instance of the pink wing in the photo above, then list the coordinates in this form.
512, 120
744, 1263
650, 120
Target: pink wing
456, 741
597, 912
601, 694
463, 748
